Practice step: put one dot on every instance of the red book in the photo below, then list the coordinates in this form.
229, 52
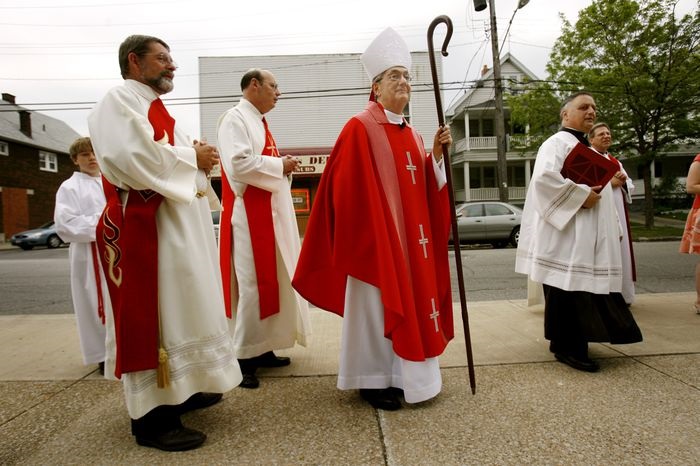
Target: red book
583, 165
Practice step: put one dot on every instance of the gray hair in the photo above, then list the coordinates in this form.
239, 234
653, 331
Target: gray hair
138, 44
569, 99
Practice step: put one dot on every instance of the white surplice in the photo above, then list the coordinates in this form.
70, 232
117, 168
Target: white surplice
623, 197
193, 322
562, 244
79, 204
241, 139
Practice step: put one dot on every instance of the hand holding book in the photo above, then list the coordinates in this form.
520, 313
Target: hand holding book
583, 165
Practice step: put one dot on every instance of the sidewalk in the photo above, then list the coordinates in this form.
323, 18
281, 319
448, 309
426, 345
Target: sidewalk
643, 407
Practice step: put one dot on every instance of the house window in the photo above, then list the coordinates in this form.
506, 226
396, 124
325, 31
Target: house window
4, 148
488, 128
474, 128
48, 161
489, 177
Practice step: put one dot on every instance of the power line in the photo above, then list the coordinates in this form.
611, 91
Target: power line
102, 5
318, 93
292, 95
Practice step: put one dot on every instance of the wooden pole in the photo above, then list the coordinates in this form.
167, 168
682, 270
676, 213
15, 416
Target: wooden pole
450, 190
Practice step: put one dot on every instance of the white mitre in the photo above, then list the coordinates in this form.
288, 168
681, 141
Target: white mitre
387, 50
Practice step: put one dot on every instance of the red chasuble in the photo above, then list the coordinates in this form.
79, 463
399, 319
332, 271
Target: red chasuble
378, 216
127, 239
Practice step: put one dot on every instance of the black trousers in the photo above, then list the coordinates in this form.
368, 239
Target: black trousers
574, 318
159, 420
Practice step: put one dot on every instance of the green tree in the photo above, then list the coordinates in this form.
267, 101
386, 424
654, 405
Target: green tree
641, 61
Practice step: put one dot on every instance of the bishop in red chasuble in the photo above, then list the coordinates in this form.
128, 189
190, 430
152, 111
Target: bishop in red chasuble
375, 249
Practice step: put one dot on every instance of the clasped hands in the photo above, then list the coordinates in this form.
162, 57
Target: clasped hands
618, 180
289, 164
207, 156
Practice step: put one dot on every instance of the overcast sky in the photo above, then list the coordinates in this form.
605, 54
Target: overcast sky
62, 54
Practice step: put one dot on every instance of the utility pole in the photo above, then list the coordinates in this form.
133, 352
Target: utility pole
500, 127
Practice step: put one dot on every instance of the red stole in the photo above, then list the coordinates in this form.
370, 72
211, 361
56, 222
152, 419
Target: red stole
128, 243
258, 208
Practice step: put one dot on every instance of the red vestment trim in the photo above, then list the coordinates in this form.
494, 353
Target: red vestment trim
226, 238
98, 281
128, 242
258, 208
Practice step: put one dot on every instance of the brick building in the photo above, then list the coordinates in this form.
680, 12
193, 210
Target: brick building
34, 161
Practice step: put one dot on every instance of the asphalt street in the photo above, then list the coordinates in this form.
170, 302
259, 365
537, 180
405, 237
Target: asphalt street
37, 281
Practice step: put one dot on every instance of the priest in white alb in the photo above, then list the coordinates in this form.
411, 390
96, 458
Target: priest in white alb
375, 248
258, 238
168, 338
601, 139
570, 243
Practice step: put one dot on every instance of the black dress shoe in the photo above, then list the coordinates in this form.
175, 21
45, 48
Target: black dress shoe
178, 439
382, 398
577, 363
200, 400
269, 359
249, 381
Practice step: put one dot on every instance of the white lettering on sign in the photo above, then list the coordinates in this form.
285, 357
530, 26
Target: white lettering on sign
311, 164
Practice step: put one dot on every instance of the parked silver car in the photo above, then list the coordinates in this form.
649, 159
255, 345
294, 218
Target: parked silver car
45, 235
489, 222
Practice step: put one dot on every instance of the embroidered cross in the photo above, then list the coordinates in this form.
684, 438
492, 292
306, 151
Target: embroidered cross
272, 147
435, 314
423, 241
410, 167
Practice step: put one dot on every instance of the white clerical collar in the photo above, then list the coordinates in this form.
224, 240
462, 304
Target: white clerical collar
394, 118
252, 108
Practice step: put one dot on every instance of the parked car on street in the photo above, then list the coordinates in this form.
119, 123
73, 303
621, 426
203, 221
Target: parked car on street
45, 235
488, 222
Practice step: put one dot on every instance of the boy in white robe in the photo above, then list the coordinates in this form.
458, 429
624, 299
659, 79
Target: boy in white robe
79, 204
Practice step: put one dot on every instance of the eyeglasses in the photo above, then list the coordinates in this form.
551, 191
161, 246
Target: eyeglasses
395, 76
163, 58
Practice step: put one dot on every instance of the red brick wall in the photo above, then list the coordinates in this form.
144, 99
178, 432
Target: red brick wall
20, 170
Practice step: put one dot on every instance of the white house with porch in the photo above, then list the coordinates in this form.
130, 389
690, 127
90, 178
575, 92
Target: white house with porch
474, 157
471, 119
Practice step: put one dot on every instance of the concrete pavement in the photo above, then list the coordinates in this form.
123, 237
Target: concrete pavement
643, 407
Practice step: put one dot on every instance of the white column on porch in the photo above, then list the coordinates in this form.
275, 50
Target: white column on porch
466, 129
467, 186
528, 172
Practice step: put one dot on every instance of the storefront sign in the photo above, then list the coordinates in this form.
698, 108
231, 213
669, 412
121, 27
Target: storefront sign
311, 164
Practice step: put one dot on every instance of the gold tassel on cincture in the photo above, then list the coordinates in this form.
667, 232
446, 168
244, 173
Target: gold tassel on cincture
163, 369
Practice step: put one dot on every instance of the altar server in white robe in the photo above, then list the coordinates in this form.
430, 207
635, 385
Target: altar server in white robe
79, 204
258, 238
172, 348
570, 242
601, 139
